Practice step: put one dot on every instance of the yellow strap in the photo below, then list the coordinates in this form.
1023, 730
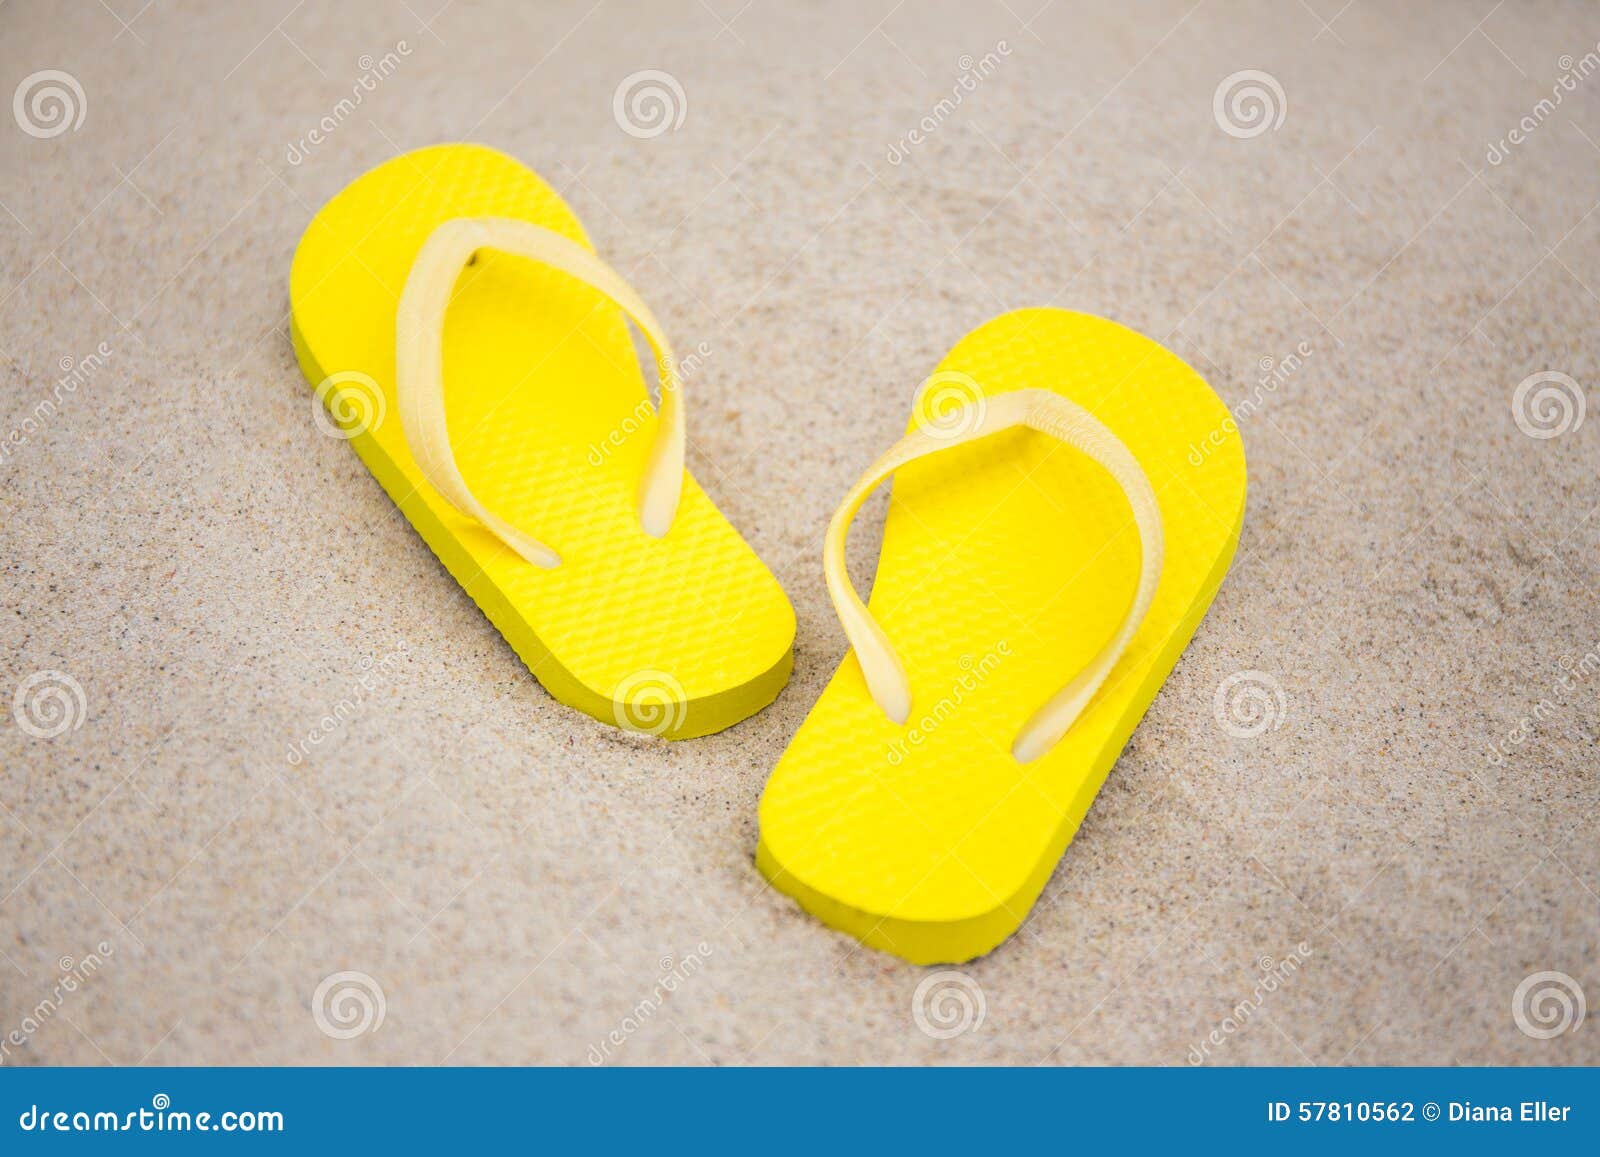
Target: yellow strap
1048, 413
419, 368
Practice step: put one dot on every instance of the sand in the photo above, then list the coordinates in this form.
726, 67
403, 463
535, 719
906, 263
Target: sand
1409, 837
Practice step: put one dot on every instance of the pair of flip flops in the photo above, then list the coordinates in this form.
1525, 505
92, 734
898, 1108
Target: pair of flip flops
1050, 546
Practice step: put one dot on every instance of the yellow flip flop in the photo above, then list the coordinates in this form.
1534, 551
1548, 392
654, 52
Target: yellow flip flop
462, 334
1050, 548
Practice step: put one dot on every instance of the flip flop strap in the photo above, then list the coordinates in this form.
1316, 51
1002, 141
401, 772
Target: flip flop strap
419, 367
1049, 413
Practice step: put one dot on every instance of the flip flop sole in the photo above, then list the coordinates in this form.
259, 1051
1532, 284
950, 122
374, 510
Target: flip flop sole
1007, 563
550, 422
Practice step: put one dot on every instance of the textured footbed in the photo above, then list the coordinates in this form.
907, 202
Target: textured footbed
550, 421
1007, 564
